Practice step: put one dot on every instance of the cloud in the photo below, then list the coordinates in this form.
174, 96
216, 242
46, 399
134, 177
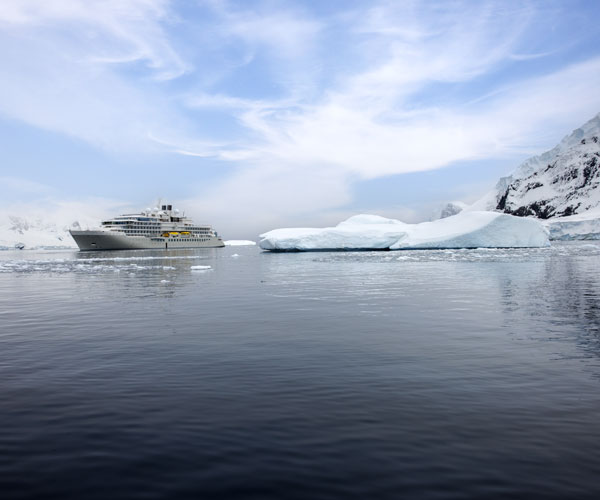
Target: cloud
529, 57
260, 196
17, 186
385, 117
286, 34
368, 124
301, 101
93, 70
106, 31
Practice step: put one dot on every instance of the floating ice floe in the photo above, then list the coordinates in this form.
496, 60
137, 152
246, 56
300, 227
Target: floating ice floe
73, 266
371, 232
125, 259
239, 243
200, 268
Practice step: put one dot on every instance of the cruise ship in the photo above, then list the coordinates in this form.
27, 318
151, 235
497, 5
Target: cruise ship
162, 228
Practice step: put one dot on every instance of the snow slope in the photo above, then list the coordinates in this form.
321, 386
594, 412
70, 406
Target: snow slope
371, 232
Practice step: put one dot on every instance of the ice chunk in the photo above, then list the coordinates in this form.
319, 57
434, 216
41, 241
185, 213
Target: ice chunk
476, 230
200, 268
239, 243
585, 226
371, 232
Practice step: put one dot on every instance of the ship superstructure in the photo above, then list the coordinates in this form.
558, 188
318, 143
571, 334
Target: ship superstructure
162, 227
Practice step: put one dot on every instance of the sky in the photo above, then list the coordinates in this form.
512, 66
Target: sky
252, 115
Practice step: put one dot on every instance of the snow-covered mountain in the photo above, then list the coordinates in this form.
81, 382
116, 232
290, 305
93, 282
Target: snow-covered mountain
18, 231
452, 208
560, 183
46, 225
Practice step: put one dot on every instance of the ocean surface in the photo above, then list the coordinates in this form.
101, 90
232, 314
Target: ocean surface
237, 374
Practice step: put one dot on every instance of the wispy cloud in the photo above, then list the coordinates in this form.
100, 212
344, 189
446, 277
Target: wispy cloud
19, 187
286, 34
97, 31
384, 116
92, 70
303, 100
529, 57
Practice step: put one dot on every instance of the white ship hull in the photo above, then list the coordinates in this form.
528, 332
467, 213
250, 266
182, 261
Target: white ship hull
109, 240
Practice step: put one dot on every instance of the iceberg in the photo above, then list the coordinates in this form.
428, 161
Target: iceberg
239, 243
584, 226
372, 232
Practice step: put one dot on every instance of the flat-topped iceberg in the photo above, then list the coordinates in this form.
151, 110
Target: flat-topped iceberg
371, 232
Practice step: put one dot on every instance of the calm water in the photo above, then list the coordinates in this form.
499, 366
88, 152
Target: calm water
423, 374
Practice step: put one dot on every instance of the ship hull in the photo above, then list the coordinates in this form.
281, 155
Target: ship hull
103, 240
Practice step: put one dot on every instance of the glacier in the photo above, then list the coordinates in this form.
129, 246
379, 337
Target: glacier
371, 232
